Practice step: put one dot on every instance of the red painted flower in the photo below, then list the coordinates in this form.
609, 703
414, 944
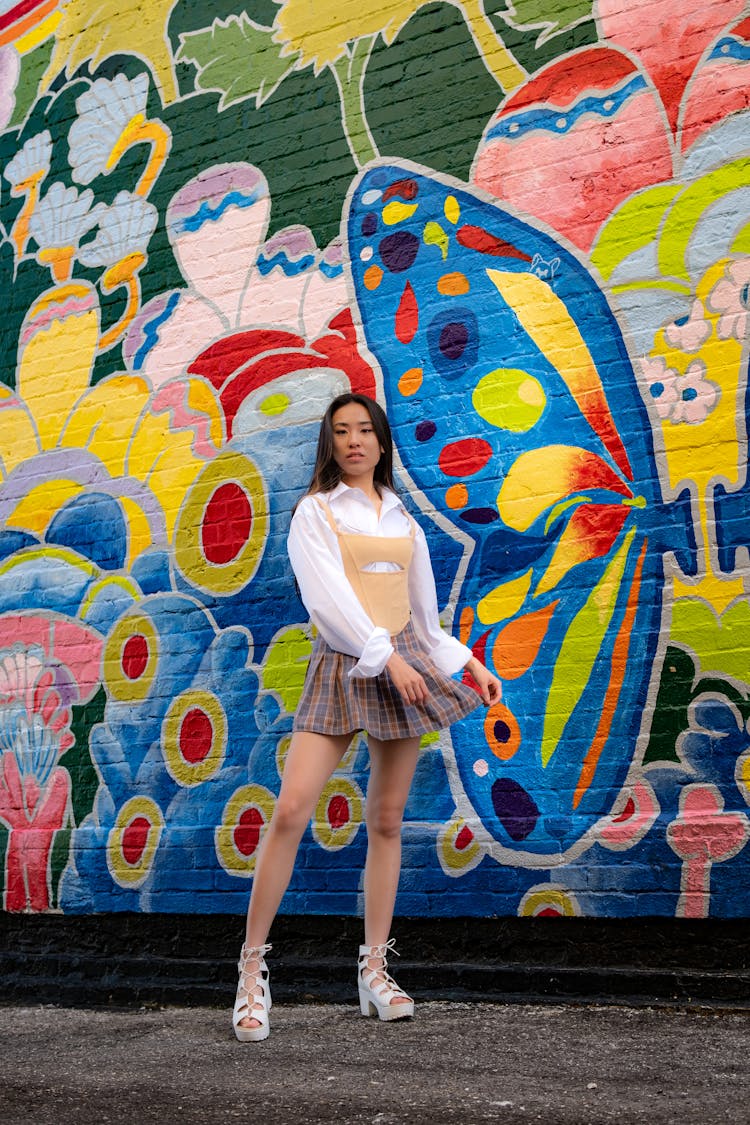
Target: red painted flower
242, 365
599, 124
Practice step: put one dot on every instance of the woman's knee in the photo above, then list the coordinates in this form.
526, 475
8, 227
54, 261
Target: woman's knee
385, 820
291, 814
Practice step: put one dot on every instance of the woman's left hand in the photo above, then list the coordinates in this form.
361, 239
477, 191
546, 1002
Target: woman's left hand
489, 685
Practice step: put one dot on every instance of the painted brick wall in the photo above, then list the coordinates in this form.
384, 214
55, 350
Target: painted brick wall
525, 228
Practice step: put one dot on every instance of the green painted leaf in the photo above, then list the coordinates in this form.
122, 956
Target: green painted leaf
635, 224
237, 57
549, 18
580, 649
33, 66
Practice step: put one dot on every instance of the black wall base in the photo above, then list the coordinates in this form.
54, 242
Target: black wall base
156, 959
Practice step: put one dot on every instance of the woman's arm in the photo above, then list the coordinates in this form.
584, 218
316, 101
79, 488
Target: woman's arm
489, 686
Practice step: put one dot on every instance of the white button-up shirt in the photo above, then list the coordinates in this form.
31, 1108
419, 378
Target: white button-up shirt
327, 593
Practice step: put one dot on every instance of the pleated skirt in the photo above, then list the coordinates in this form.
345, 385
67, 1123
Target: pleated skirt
334, 703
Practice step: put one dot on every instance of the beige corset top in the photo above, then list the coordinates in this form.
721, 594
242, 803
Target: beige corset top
383, 594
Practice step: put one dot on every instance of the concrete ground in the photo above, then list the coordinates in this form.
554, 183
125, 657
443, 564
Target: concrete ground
455, 1062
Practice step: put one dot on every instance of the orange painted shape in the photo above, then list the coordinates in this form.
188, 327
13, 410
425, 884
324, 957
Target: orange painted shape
516, 646
453, 284
457, 496
372, 277
410, 381
465, 624
609, 706
22, 25
502, 731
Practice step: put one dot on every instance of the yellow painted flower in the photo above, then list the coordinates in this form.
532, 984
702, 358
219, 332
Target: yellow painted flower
321, 32
60, 437
95, 30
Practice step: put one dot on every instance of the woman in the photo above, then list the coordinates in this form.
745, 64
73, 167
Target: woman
381, 663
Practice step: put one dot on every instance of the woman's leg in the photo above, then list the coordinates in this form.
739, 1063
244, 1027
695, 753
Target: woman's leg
310, 761
392, 766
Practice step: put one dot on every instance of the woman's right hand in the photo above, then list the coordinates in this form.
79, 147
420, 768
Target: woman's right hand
407, 681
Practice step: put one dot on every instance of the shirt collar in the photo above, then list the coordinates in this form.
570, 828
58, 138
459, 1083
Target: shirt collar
390, 499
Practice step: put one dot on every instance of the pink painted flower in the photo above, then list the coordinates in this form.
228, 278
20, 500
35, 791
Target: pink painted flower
679, 398
35, 730
689, 333
596, 126
731, 297
46, 666
661, 384
697, 396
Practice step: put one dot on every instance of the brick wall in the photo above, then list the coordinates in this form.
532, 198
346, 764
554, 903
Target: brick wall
524, 229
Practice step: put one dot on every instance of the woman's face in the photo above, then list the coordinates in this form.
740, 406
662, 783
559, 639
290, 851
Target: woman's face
356, 449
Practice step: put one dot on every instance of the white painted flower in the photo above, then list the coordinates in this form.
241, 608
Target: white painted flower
731, 297
697, 396
63, 216
689, 333
661, 384
238, 280
33, 160
124, 228
10, 69
104, 112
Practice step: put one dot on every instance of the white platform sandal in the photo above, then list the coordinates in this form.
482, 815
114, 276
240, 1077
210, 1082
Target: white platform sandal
377, 988
253, 994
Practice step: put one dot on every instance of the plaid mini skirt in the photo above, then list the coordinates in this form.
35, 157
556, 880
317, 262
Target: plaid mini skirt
332, 702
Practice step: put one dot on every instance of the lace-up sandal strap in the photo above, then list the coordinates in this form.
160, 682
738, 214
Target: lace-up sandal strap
253, 980
252, 952
382, 951
379, 980
253, 993
377, 988
383, 985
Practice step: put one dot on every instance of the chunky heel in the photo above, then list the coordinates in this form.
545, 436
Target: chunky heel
253, 994
365, 1006
377, 988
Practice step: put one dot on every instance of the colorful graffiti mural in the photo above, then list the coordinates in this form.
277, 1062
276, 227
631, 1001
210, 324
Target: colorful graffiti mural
526, 229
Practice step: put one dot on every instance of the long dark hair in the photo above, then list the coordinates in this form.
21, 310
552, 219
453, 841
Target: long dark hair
327, 474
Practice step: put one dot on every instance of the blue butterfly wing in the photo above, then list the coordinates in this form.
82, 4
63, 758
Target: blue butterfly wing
517, 415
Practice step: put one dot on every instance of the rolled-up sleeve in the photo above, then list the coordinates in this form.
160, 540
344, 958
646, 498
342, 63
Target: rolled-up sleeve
327, 593
446, 651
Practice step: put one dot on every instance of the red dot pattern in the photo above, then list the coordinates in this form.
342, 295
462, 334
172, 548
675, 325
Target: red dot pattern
134, 656
227, 522
463, 458
196, 736
134, 839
